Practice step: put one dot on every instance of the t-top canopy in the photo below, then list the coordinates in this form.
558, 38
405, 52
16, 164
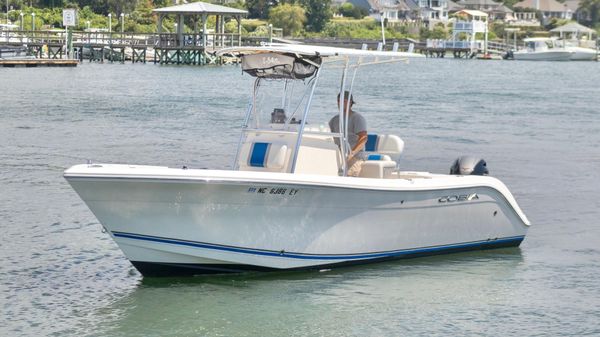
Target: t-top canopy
311, 51
200, 8
280, 66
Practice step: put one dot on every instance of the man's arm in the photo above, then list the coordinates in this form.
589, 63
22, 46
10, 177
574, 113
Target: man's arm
362, 140
360, 129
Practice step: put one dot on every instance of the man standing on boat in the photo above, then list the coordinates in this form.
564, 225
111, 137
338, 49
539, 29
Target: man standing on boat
357, 134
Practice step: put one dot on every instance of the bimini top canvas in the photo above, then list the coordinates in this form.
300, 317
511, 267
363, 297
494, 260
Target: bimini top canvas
279, 66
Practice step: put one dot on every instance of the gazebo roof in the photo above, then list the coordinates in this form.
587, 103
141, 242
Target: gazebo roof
200, 8
573, 27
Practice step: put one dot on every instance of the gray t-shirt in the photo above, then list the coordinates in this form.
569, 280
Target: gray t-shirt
356, 124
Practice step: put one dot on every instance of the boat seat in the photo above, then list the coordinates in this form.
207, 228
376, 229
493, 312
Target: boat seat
265, 156
377, 156
378, 168
390, 145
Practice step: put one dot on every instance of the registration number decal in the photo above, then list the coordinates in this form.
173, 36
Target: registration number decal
273, 190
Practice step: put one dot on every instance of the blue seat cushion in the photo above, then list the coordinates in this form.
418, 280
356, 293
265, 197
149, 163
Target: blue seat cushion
371, 143
258, 154
375, 157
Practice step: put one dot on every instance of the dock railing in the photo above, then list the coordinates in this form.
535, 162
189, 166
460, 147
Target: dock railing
493, 46
107, 39
36, 37
469, 26
150, 40
445, 44
213, 40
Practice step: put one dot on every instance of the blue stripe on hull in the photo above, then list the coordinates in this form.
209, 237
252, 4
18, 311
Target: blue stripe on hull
160, 269
501, 242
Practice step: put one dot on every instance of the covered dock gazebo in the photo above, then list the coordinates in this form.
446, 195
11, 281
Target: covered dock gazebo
200, 12
575, 29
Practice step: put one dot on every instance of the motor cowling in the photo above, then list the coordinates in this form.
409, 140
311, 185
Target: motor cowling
468, 165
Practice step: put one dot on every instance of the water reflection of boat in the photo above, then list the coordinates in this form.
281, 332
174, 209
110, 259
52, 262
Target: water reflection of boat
542, 49
288, 203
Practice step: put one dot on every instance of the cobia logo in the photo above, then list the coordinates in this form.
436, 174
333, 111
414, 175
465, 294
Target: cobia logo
457, 198
270, 60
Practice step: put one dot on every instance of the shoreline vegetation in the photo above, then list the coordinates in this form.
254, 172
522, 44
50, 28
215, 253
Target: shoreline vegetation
290, 18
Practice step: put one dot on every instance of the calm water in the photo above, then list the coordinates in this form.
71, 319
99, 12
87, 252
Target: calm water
537, 125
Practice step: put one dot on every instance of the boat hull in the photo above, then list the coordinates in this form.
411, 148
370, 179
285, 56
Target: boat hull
583, 54
222, 221
557, 55
166, 269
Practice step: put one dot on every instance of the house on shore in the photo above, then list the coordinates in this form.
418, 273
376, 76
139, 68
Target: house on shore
390, 10
495, 10
429, 11
579, 14
548, 8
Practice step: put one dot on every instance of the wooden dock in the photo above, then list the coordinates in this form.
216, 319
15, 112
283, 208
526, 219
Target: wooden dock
158, 48
30, 63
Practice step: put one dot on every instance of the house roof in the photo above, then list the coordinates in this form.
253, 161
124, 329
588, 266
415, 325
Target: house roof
573, 5
489, 6
483, 3
502, 9
454, 6
573, 27
200, 8
377, 5
403, 6
544, 5
473, 13
412, 4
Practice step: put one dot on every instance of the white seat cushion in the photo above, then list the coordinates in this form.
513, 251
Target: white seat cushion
276, 156
377, 169
264, 156
385, 144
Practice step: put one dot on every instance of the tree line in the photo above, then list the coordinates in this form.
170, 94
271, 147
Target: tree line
290, 15
293, 16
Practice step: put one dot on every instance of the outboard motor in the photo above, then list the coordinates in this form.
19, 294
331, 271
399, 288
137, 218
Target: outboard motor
468, 165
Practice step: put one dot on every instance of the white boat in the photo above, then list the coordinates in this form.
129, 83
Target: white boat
542, 49
14, 53
582, 54
288, 203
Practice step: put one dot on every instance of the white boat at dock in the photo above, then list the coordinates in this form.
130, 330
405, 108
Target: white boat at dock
288, 203
14, 53
578, 39
582, 53
542, 49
